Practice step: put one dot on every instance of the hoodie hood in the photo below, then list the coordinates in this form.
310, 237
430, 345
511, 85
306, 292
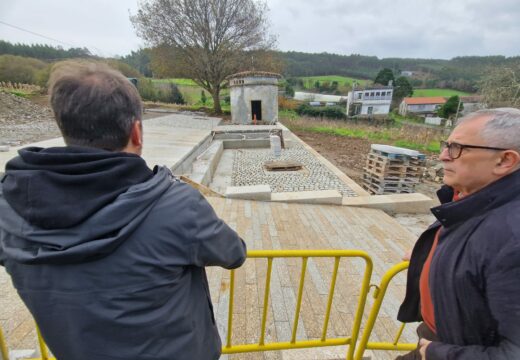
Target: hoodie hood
60, 187
72, 204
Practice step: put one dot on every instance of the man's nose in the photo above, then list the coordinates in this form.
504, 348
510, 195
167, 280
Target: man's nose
444, 155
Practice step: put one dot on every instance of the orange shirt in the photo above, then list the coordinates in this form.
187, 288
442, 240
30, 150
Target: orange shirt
424, 288
427, 311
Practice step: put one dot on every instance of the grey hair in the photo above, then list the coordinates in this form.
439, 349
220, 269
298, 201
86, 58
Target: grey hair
502, 129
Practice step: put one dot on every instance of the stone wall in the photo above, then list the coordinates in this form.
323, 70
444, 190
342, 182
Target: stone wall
254, 89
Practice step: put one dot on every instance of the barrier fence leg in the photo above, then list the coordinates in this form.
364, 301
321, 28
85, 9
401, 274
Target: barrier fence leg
4, 355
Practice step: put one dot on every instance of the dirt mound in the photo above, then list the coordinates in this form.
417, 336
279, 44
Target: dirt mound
22, 121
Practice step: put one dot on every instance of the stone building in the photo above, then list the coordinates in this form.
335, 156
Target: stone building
254, 97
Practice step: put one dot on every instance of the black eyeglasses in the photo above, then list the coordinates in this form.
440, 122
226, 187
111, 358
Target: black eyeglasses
455, 149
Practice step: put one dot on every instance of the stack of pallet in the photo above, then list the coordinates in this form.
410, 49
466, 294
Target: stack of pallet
392, 170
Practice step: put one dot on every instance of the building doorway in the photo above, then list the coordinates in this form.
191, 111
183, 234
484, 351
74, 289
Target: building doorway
256, 110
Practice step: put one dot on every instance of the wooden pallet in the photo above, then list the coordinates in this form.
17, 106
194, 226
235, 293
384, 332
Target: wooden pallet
402, 160
399, 173
377, 190
391, 183
397, 156
392, 166
390, 179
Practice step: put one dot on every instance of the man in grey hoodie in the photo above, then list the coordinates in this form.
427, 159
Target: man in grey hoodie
107, 254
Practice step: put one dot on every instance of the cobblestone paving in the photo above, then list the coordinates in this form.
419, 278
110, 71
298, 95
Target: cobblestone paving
248, 170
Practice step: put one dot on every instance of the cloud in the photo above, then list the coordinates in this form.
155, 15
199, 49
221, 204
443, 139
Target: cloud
397, 28
403, 28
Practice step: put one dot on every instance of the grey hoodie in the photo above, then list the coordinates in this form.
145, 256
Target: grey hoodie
109, 256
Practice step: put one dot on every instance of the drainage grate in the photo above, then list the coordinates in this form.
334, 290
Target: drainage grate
283, 165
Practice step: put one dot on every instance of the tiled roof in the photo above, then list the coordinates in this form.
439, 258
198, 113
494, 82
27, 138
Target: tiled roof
245, 74
424, 100
471, 99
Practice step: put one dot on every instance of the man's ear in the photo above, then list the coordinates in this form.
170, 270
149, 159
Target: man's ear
136, 136
508, 162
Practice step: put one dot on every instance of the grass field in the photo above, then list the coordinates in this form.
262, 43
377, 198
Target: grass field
178, 81
438, 92
402, 135
310, 80
191, 92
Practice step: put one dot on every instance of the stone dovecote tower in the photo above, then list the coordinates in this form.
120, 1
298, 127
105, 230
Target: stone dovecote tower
254, 96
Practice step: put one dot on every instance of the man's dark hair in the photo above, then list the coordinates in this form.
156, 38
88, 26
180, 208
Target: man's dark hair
93, 104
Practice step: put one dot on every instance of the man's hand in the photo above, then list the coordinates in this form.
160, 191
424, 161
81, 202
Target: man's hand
407, 255
423, 344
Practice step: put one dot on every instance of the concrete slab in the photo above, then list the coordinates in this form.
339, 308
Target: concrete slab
222, 178
163, 144
254, 192
206, 163
309, 197
394, 203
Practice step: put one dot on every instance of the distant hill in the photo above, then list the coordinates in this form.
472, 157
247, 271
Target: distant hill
460, 73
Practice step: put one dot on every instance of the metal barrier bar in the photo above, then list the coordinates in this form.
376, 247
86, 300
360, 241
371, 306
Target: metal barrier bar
379, 295
3, 346
323, 341
266, 298
230, 313
399, 333
299, 302
331, 295
43, 347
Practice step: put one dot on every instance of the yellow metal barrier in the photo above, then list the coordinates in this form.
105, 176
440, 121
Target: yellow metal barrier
3, 346
43, 347
379, 295
293, 343
363, 344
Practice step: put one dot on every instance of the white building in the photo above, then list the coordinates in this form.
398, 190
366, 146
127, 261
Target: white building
306, 96
373, 100
471, 104
421, 105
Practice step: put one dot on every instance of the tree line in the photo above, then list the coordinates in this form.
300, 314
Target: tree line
42, 52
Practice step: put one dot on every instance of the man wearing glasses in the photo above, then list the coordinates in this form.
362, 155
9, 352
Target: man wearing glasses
464, 274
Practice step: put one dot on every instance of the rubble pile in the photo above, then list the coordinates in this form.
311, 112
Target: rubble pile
22, 121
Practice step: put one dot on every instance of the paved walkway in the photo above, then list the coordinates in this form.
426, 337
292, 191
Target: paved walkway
270, 225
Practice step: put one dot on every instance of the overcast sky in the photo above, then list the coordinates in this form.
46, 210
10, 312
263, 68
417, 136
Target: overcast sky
384, 28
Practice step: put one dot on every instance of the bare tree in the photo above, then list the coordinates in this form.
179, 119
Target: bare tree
501, 87
212, 36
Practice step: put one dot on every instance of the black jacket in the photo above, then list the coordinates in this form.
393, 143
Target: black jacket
474, 274
109, 255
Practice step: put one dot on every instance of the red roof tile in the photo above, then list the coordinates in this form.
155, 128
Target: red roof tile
424, 100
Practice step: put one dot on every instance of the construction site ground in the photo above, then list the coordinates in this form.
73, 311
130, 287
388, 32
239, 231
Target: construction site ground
268, 225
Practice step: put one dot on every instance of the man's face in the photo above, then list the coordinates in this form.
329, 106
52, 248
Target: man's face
473, 170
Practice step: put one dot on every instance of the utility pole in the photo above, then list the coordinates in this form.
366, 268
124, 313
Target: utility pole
457, 115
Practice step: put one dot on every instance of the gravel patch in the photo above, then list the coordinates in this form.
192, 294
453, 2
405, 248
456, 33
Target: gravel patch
22, 121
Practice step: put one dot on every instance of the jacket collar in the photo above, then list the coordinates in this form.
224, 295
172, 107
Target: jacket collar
492, 196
